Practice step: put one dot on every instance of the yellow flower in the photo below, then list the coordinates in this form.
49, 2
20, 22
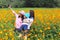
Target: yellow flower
43, 35
28, 38
11, 34
13, 39
5, 37
5, 30
38, 39
29, 34
35, 35
1, 39
54, 27
59, 33
41, 31
48, 23
49, 27
25, 37
0, 19
1, 32
2, 26
45, 28
6, 34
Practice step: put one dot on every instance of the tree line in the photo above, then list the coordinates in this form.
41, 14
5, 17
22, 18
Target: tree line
29, 3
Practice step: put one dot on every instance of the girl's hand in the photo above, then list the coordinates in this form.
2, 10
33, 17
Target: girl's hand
9, 6
12, 10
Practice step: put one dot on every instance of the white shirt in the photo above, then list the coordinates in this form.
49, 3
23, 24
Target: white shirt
31, 21
28, 21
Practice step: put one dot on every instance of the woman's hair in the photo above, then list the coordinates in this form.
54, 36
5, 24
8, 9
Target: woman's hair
31, 14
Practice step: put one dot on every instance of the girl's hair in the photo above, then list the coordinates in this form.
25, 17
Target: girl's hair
22, 16
31, 14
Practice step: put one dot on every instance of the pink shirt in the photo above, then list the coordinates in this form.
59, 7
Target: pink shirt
18, 22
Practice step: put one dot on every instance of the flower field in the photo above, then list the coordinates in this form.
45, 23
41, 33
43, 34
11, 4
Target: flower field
46, 25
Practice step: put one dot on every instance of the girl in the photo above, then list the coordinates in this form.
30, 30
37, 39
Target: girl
19, 18
24, 28
28, 20
31, 18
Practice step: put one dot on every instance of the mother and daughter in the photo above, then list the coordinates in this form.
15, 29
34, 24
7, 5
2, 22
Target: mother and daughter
23, 21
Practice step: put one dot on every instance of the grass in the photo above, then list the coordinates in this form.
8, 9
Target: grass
30, 8
46, 25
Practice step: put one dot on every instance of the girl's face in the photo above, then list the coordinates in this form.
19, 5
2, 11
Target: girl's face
24, 17
20, 15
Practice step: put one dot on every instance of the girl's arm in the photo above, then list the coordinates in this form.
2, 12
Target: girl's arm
13, 11
31, 21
